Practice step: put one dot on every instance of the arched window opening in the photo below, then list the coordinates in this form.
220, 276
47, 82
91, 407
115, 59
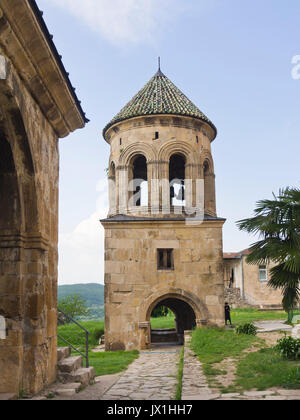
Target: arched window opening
140, 182
112, 188
177, 180
112, 171
206, 185
10, 213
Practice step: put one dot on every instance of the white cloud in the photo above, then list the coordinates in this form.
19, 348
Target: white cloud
124, 21
81, 252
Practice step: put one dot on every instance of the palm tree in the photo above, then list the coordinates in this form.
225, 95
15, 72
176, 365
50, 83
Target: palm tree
278, 224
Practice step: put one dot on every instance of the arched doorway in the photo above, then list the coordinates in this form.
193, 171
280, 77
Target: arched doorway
185, 320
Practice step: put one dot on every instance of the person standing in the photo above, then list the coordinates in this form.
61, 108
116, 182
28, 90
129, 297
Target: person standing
227, 313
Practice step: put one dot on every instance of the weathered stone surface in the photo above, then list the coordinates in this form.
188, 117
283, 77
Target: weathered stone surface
296, 332
153, 376
37, 106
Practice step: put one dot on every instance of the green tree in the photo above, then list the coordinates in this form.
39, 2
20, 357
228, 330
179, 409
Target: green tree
277, 222
74, 306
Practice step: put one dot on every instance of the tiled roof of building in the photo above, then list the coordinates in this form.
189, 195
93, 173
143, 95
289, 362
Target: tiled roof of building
232, 255
159, 96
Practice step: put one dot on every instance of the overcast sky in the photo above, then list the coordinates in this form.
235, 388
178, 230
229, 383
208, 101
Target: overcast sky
238, 61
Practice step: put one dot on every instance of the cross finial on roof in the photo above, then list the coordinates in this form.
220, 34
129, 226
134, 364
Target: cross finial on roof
159, 72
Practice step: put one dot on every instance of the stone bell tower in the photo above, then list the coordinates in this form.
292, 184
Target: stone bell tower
163, 239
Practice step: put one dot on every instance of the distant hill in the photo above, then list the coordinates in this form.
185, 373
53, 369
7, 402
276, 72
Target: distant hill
93, 293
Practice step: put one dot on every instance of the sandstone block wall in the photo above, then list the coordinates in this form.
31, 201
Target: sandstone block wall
134, 285
28, 242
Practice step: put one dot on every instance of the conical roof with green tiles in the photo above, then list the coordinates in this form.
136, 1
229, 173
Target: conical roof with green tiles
159, 96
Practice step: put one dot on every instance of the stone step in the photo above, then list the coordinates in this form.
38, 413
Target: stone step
63, 353
7, 397
68, 390
84, 376
70, 365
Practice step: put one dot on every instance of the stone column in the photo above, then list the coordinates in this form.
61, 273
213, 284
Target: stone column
165, 201
153, 186
112, 193
123, 176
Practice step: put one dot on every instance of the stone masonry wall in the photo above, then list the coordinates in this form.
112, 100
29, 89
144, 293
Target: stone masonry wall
133, 282
28, 255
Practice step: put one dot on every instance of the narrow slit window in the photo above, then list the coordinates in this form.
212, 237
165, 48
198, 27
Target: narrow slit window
156, 135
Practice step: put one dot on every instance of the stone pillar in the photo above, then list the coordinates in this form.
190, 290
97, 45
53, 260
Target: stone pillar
154, 184
165, 201
124, 194
189, 184
112, 192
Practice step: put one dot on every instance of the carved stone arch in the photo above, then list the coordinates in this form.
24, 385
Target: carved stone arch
112, 169
206, 159
177, 147
198, 306
135, 149
12, 128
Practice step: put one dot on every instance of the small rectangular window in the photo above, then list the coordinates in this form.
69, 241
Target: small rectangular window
156, 135
263, 273
165, 259
120, 142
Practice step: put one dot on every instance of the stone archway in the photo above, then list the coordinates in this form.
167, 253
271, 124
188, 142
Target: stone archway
185, 320
189, 309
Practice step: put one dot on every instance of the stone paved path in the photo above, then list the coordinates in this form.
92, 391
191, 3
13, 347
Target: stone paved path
271, 326
153, 376
194, 384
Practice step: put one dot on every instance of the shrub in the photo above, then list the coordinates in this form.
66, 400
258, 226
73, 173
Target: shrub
291, 379
289, 347
97, 334
248, 329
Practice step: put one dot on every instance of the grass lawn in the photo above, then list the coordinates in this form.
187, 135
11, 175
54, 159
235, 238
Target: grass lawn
241, 316
261, 368
165, 322
108, 363
76, 336
266, 369
213, 345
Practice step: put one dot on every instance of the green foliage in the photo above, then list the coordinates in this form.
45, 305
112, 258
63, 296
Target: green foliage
248, 329
288, 348
92, 293
180, 376
161, 311
74, 306
278, 224
291, 379
76, 336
